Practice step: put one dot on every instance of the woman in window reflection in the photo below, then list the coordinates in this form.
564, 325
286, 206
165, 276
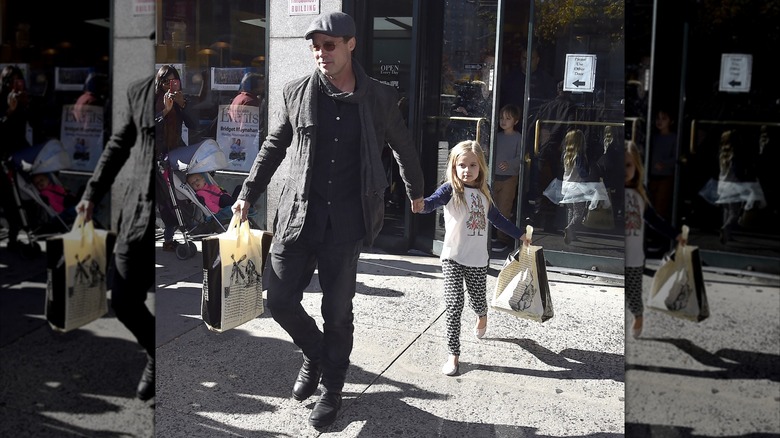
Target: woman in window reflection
170, 116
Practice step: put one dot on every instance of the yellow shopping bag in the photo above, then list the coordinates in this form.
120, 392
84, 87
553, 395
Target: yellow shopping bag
77, 264
233, 264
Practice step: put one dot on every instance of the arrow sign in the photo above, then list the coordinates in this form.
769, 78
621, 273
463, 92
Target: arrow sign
580, 73
735, 72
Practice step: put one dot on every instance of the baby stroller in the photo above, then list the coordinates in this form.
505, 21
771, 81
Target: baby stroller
38, 218
203, 157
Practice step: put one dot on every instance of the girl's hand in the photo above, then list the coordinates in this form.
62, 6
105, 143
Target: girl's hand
525, 239
681, 240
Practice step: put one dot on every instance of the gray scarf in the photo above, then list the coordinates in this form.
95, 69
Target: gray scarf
373, 175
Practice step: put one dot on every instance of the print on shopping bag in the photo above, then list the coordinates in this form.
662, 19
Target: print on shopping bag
235, 273
522, 301
88, 274
247, 276
684, 290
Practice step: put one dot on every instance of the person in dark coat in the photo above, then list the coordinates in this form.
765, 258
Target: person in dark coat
14, 113
131, 144
333, 125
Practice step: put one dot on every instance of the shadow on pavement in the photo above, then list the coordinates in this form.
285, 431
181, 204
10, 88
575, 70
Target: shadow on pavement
733, 364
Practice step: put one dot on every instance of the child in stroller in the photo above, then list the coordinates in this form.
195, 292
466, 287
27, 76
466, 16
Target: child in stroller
41, 211
195, 216
56, 196
215, 198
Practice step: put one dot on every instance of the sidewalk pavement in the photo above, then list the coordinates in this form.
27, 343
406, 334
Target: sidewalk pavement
565, 377
562, 377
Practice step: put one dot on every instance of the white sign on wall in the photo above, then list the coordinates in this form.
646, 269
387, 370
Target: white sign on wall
143, 7
303, 7
580, 73
735, 72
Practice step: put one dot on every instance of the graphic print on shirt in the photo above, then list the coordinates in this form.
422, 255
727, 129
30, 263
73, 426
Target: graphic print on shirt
633, 216
477, 222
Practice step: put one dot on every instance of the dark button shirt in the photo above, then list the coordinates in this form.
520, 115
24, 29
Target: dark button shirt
334, 198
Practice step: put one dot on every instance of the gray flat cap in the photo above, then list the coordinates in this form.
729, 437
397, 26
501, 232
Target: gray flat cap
336, 24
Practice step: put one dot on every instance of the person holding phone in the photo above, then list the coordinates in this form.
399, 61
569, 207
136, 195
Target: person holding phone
14, 116
170, 116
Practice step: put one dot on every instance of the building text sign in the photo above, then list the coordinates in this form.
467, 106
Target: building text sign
735, 71
303, 7
580, 73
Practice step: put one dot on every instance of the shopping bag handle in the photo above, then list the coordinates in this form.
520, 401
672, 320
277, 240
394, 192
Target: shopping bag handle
240, 229
235, 221
680, 246
529, 232
83, 229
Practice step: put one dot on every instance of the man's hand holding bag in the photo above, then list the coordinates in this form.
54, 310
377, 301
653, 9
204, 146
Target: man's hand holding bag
77, 265
233, 264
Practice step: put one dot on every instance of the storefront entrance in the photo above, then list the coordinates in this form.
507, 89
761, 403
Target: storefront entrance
710, 71
456, 81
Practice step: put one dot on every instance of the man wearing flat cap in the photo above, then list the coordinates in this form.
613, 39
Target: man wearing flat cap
333, 124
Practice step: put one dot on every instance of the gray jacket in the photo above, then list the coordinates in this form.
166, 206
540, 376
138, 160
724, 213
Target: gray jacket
295, 127
132, 144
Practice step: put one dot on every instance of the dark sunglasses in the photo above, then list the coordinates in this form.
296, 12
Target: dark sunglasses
327, 46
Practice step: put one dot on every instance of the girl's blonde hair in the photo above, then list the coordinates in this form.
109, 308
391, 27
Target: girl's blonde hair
574, 144
637, 182
452, 175
726, 153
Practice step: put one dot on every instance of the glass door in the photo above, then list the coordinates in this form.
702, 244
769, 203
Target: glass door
562, 66
457, 96
569, 57
388, 58
712, 75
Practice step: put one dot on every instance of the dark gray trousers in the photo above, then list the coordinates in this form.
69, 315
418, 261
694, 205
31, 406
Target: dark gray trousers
291, 269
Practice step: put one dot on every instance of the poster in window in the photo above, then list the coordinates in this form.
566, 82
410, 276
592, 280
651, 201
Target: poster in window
227, 78
70, 78
238, 135
81, 133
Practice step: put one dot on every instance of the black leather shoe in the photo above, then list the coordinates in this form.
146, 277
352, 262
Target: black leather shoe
145, 389
324, 412
307, 381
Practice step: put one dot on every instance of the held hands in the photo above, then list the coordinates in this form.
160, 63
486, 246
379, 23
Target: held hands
418, 205
86, 208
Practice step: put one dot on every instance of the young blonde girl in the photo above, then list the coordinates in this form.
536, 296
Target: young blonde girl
575, 170
468, 206
639, 212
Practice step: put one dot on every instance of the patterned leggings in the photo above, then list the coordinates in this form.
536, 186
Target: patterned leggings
634, 289
476, 286
575, 212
